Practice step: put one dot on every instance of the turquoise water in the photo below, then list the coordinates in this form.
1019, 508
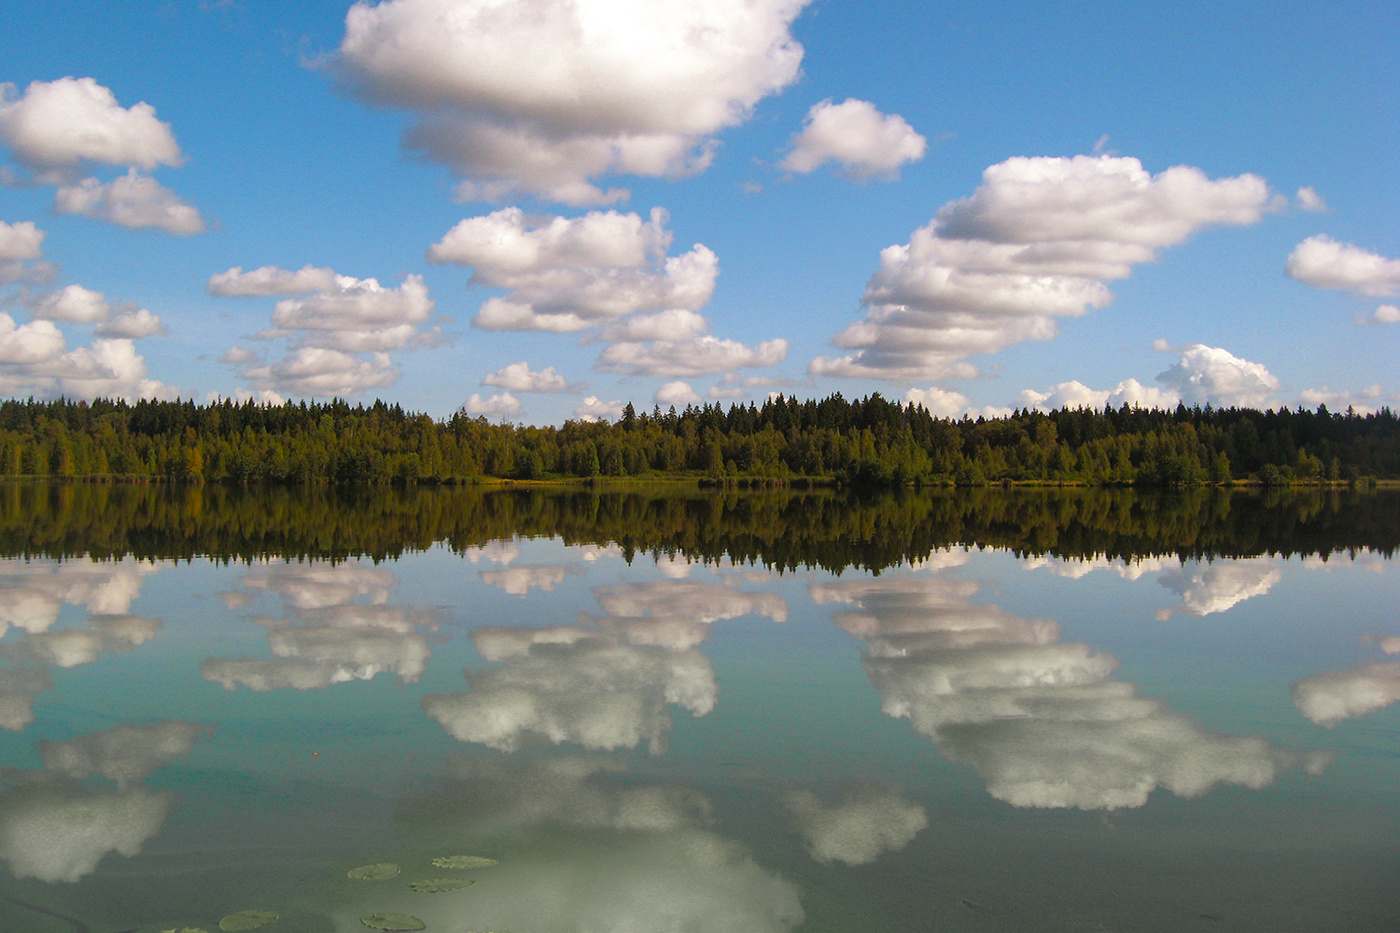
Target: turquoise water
977, 741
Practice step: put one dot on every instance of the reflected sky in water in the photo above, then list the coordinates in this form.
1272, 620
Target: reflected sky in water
974, 740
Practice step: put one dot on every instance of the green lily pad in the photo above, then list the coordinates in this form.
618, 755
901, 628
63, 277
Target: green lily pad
463, 861
184, 930
247, 920
392, 922
438, 885
381, 871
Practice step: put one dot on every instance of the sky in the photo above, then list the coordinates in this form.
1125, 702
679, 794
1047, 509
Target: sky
541, 210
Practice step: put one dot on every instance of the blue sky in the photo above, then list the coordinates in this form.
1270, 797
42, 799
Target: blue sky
565, 206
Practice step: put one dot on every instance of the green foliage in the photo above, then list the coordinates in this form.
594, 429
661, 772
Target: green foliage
866, 442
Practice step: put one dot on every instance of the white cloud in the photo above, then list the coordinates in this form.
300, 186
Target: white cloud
1074, 394
339, 334
270, 280
673, 325
502, 404
519, 377
699, 356
864, 824
1337, 401
539, 98
33, 360
133, 201
866, 142
58, 124
75, 304
1036, 241
1323, 262
1310, 200
677, 393
1328, 698
941, 403
595, 409
20, 254
1387, 314
568, 274
1211, 375
317, 372
132, 324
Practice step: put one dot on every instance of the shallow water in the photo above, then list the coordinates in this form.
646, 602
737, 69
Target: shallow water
965, 737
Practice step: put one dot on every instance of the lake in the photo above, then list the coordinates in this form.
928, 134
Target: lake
666, 710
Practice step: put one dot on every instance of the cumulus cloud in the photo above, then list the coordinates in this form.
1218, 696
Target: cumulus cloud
21, 252
35, 359
701, 356
865, 142
1328, 698
1043, 721
595, 409
134, 201
1386, 314
1212, 375
941, 403
59, 124
1037, 241
519, 377
1310, 200
1075, 394
270, 280
32, 594
339, 335
572, 273
500, 405
1325, 263
639, 88
677, 393
864, 824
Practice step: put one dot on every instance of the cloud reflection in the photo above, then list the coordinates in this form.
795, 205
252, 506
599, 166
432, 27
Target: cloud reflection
326, 638
1216, 586
55, 826
1041, 720
1332, 696
865, 823
584, 847
606, 683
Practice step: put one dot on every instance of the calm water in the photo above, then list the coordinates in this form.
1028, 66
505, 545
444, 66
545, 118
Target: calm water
994, 712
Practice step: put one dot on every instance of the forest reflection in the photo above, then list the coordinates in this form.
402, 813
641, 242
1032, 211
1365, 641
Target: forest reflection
778, 529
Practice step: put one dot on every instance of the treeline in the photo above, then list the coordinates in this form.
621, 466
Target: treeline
780, 529
869, 441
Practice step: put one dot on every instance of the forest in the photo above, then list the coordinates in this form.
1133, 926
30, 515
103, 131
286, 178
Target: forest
870, 441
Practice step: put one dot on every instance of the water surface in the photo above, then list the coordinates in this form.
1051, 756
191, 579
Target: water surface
732, 712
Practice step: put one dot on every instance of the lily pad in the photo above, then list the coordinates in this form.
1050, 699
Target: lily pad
463, 861
392, 922
381, 871
247, 920
438, 885
184, 930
